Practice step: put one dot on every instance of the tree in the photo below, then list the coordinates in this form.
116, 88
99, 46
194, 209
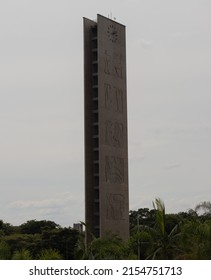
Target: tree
50, 254
165, 245
22, 254
5, 252
145, 216
141, 242
111, 247
18, 242
205, 207
63, 240
6, 228
196, 239
108, 247
34, 226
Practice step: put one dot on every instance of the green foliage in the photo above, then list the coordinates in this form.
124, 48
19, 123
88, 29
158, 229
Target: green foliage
196, 240
50, 254
18, 242
63, 240
33, 226
185, 235
108, 247
165, 244
141, 242
22, 254
145, 216
6, 228
5, 253
34, 237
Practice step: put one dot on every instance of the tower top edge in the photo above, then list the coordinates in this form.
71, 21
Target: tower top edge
109, 19
100, 16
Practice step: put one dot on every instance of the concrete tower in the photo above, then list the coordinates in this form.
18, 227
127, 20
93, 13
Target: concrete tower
106, 144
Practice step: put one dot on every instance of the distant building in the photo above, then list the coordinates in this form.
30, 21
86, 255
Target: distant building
78, 227
106, 143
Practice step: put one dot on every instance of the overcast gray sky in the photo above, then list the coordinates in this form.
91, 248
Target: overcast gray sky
41, 104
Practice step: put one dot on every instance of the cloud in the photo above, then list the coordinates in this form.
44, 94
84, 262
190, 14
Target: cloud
146, 44
61, 200
177, 34
173, 165
61, 208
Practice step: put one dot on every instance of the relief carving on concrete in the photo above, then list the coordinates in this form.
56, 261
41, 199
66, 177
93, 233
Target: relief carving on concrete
118, 99
107, 63
115, 206
113, 64
108, 96
114, 134
113, 98
114, 170
118, 71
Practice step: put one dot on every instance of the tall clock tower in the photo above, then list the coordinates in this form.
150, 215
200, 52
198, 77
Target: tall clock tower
106, 142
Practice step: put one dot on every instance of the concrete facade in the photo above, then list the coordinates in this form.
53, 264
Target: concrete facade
106, 144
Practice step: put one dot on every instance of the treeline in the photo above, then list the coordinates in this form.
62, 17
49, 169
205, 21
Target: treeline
153, 235
37, 240
186, 235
